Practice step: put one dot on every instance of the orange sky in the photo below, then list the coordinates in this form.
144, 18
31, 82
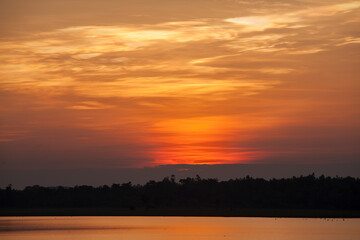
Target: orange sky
135, 83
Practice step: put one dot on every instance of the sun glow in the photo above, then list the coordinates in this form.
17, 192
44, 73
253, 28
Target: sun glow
199, 141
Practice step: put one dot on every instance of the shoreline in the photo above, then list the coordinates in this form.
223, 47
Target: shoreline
167, 212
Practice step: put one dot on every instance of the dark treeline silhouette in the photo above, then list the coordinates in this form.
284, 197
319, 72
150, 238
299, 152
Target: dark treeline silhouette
305, 192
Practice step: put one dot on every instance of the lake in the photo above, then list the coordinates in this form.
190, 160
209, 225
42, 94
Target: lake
176, 228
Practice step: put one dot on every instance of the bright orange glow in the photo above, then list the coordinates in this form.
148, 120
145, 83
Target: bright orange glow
202, 155
200, 141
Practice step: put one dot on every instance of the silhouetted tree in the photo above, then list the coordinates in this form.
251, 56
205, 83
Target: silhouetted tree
304, 192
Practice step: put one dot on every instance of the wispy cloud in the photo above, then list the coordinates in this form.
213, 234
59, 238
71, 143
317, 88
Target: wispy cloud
8, 135
202, 86
291, 19
90, 105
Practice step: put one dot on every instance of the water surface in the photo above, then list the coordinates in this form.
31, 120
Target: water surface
176, 228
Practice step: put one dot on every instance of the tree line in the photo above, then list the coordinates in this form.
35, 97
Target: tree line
304, 192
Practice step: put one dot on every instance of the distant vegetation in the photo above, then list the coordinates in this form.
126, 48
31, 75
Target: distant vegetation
305, 192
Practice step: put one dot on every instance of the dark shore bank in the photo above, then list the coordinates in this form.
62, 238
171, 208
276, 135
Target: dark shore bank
292, 213
304, 196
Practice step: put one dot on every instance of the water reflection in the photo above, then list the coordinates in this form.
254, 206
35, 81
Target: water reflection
149, 228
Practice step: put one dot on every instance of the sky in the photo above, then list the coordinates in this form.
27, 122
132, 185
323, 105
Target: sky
129, 84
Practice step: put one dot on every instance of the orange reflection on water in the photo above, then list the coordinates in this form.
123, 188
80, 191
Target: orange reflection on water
176, 228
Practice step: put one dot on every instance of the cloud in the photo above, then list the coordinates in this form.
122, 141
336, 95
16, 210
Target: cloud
199, 86
291, 19
90, 105
8, 135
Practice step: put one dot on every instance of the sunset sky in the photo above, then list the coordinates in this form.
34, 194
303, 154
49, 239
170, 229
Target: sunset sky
142, 83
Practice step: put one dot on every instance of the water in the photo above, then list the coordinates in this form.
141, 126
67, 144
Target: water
176, 228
